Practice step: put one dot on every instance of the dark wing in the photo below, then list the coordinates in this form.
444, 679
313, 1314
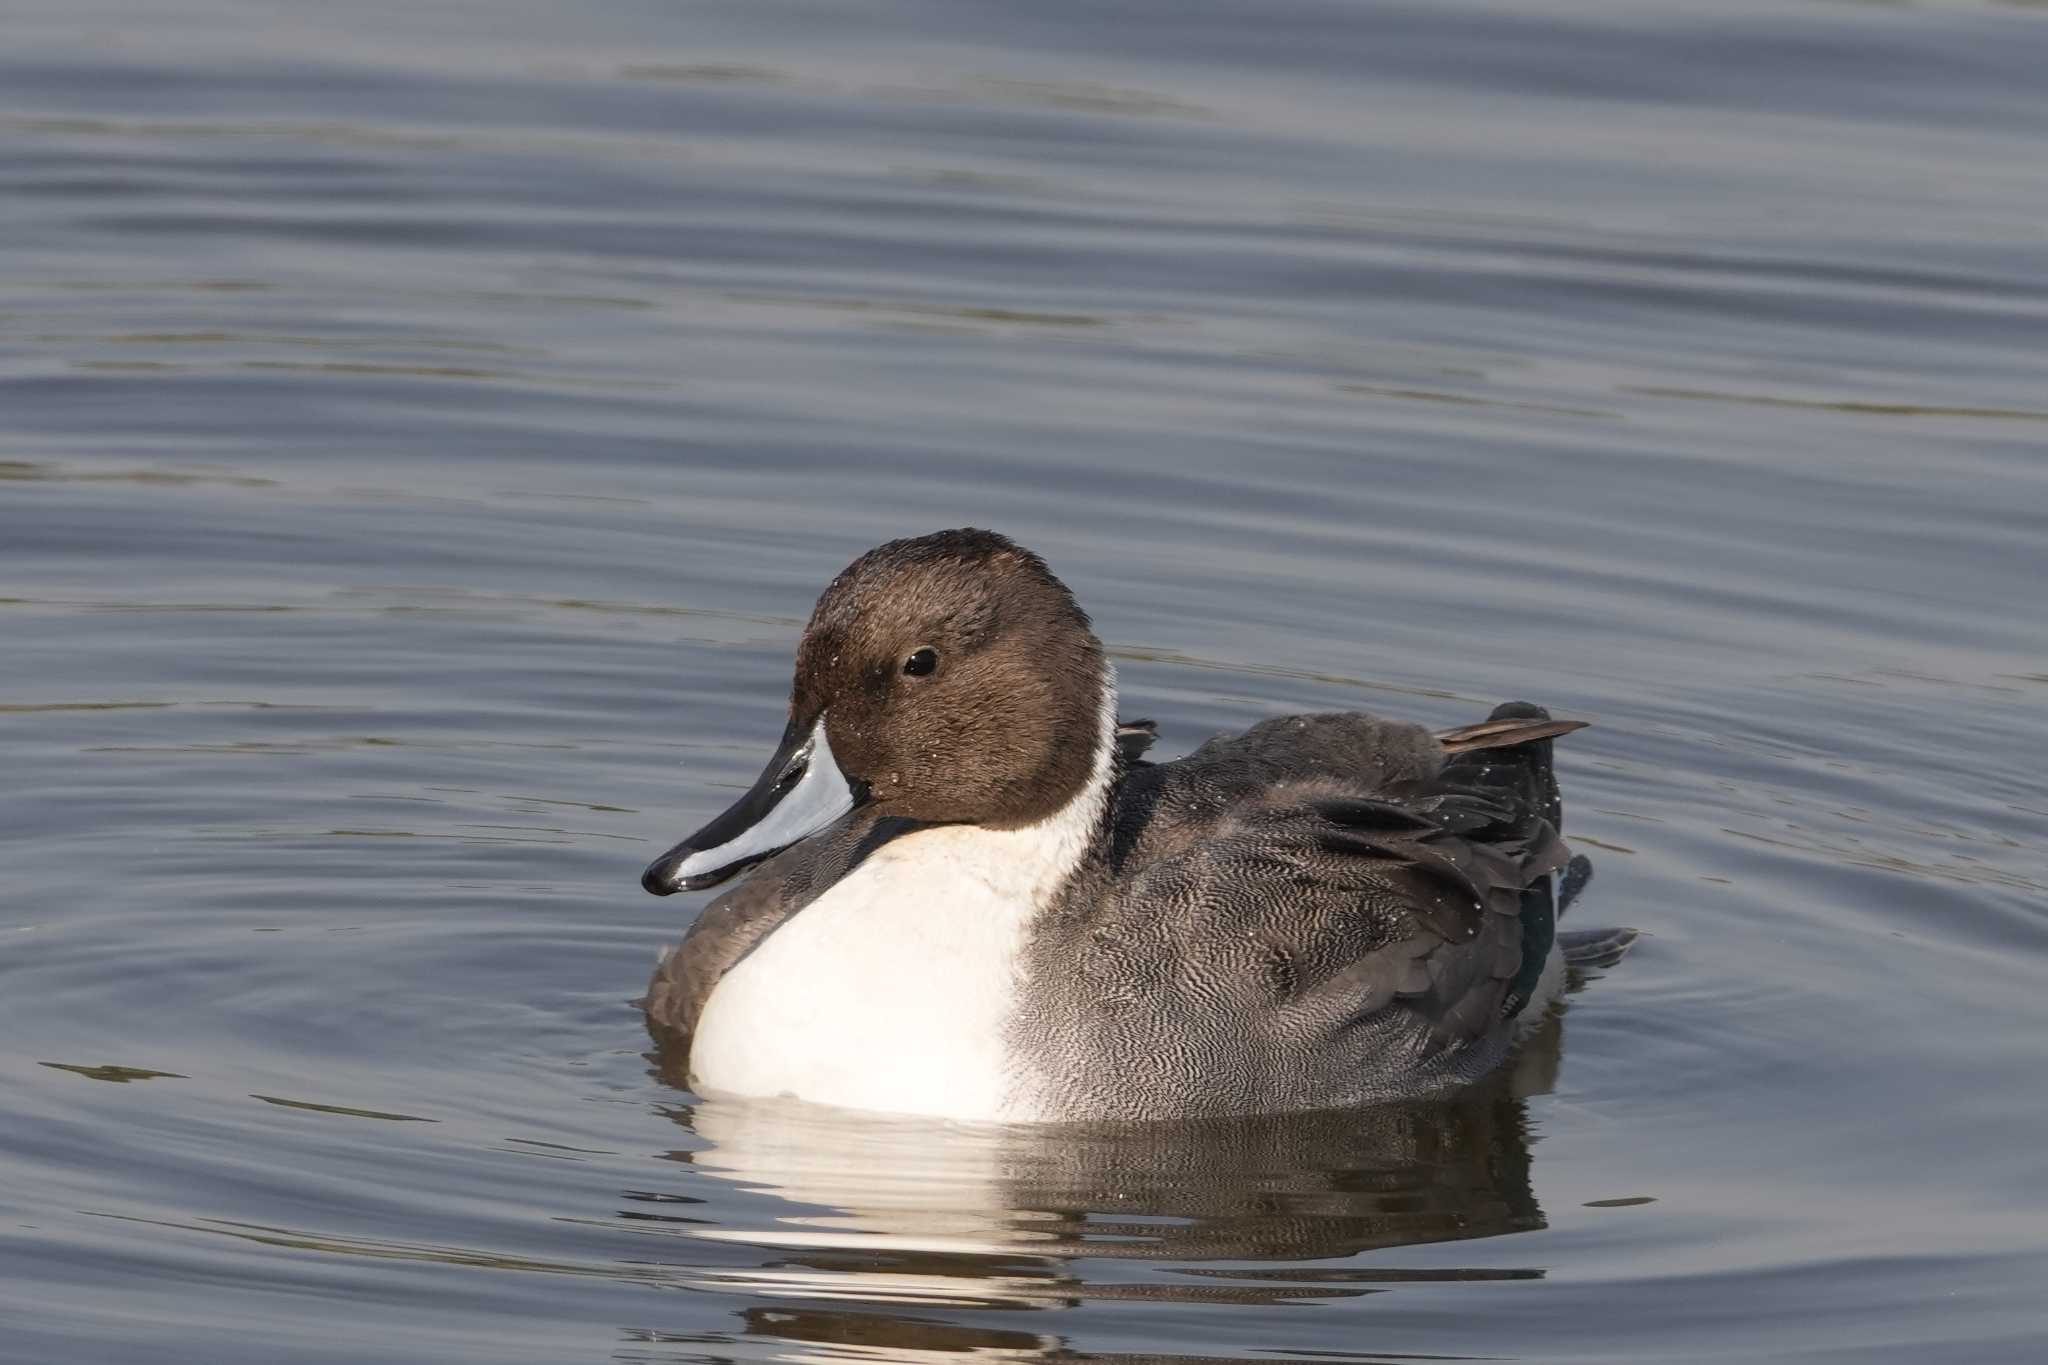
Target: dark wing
1321, 912
1416, 905
1333, 951
1495, 852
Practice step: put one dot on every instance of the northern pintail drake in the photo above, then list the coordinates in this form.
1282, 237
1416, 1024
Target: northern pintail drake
968, 895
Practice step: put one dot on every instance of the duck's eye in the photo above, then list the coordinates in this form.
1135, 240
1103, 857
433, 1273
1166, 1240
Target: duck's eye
921, 662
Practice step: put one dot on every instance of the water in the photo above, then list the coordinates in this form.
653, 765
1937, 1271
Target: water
422, 429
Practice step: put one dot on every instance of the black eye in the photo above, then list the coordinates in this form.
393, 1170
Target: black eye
921, 663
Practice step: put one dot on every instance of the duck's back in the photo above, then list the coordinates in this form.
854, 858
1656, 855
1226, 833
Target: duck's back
1322, 911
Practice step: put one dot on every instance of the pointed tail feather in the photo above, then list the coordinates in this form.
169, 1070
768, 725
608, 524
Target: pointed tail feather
1500, 734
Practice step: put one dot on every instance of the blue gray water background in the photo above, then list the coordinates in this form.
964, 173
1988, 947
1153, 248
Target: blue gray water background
424, 427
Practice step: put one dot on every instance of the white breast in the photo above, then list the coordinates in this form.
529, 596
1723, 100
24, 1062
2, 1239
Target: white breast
893, 990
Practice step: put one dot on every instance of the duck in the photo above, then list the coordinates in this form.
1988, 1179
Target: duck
966, 893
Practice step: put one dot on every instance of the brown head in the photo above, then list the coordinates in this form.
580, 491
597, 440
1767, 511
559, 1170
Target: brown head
948, 678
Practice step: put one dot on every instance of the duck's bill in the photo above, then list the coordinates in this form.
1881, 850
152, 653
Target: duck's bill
800, 792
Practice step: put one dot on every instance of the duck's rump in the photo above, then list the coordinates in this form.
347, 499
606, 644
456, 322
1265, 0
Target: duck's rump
1324, 910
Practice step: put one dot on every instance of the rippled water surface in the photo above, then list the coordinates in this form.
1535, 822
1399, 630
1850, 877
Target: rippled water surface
423, 428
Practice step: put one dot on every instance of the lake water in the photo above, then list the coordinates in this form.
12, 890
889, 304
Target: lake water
423, 429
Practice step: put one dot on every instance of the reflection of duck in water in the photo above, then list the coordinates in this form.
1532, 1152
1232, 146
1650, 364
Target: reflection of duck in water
1270, 1187
872, 1233
976, 901
877, 1232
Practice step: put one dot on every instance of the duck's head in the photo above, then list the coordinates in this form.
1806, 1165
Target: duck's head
948, 678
